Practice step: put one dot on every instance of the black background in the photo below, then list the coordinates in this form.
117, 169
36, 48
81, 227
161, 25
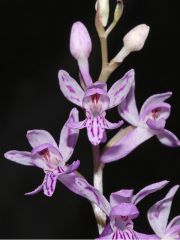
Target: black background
34, 45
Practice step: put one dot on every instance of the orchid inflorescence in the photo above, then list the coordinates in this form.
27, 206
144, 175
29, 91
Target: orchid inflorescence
114, 217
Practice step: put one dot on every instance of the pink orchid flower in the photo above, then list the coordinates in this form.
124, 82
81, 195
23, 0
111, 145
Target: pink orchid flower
95, 100
148, 123
123, 210
49, 156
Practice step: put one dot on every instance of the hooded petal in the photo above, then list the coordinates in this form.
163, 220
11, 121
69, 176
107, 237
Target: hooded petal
125, 144
156, 124
96, 99
80, 186
70, 88
156, 112
38, 137
69, 136
148, 190
125, 210
21, 157
128, 109
120, 89
168, 138
124, 195
158, 214
152, 101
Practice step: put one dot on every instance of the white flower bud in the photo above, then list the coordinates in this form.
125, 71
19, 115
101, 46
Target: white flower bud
134, 40
103, 10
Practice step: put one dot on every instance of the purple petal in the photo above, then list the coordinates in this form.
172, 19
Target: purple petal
38, 137
80, 186
126, 144
148, 190
109, 125
173, 228
69, 136
37, 190
49, 184
124, 195
120, 89
153, 100
72, 167
128, 109
21, 157
70, 88
95, 130
125, 210
168, 138
158, 214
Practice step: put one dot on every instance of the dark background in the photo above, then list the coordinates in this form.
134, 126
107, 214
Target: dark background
34, 45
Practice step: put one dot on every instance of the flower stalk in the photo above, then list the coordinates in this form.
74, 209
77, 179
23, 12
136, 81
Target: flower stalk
98, 184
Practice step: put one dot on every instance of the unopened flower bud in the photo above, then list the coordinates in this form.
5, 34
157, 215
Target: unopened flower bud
134, 40
80, 47
102, 6
80, 41
118, 10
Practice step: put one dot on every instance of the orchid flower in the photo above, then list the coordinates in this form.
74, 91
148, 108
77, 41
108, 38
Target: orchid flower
158, 218
46, 154
149, 122
124, 210
95, 100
